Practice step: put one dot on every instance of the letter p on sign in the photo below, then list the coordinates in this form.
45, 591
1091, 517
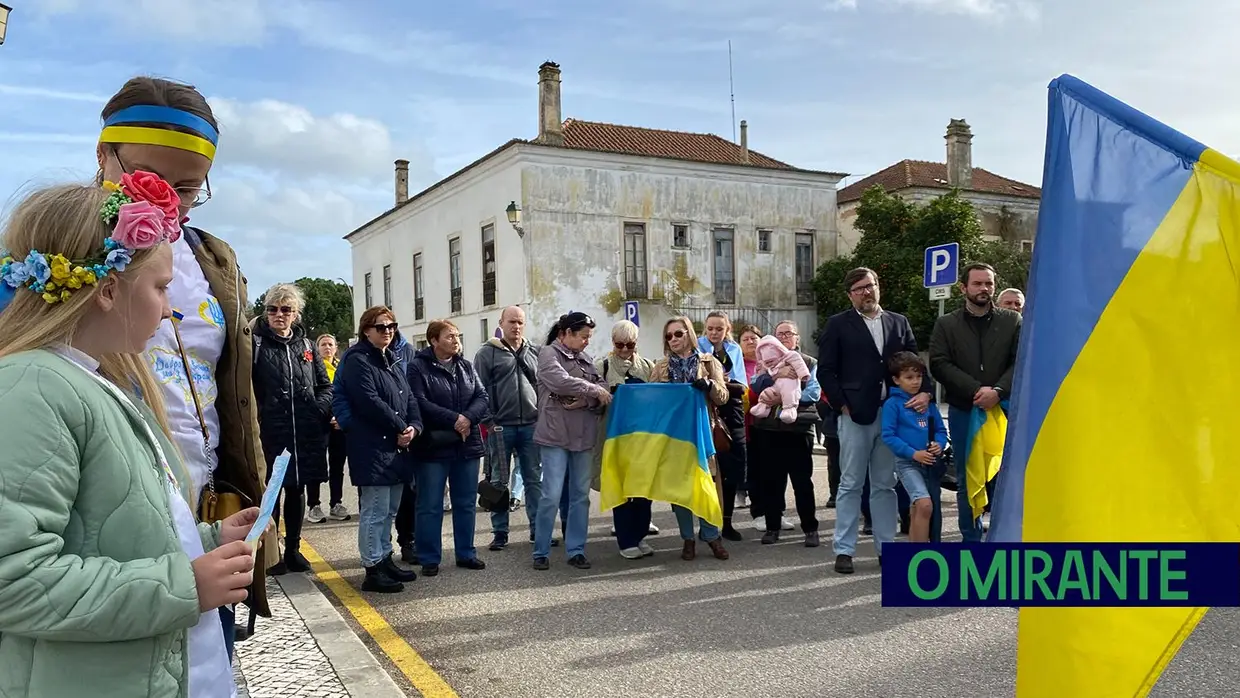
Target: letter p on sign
942, 265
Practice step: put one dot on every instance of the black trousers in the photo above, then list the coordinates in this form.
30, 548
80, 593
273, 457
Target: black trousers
406, 516
732, 470
780, 457
833, 464
335, 472
294, 507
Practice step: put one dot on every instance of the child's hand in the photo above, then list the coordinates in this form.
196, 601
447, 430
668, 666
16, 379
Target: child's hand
935, 450
223, 575
923, 457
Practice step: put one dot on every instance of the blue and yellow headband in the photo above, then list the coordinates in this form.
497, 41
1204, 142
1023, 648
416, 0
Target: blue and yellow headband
203, 140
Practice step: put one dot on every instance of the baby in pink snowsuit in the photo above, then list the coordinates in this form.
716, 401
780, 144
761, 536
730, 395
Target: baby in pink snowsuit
773, 356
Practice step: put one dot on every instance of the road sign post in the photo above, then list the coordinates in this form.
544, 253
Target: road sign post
942, 271
631, 314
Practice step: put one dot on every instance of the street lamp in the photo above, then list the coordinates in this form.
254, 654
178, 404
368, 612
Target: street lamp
4, 20
514, 218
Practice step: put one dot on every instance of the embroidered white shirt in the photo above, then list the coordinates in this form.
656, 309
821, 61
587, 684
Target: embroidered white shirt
202, 332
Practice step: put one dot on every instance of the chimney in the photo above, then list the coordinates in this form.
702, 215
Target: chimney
402, 181
959, 154
744, 141
550, 122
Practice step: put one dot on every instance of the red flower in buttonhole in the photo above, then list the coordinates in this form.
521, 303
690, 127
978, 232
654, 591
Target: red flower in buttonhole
308, 356
150, 187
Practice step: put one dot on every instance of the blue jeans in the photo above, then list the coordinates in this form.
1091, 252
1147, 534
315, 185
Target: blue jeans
958, 427
518, 444
228, 618
571, 472
632, 520
461, 479
377, 507
863, 452
684, 518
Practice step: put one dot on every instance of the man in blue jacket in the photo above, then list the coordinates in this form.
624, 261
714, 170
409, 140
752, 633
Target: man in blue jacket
405, 518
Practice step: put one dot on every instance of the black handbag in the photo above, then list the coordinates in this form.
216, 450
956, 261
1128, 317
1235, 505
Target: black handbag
438, 438
493, 498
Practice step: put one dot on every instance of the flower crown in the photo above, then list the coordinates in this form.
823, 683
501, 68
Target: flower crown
143, 211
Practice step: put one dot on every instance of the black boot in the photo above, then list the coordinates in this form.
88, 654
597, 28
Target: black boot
294, 561
379, 581
397, 572
730, 533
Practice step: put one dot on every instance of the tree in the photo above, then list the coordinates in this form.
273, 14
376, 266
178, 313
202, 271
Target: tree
329, 308
894, 236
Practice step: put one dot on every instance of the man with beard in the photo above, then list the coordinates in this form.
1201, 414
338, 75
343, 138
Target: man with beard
972, 354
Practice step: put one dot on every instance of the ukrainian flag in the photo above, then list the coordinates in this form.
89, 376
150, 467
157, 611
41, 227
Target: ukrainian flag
983, 453
1122, 420
658, 447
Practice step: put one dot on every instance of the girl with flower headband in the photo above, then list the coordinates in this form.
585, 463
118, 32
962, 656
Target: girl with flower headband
105, 574
203, 358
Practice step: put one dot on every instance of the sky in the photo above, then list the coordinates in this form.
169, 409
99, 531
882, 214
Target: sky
316, 98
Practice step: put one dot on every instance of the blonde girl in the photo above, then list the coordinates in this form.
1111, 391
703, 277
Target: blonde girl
105, 577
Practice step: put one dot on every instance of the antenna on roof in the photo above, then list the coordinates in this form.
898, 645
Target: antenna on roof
732, 90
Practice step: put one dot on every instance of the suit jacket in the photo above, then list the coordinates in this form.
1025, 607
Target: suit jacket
851, 369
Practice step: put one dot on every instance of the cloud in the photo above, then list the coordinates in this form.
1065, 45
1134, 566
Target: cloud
229, 22
43, 93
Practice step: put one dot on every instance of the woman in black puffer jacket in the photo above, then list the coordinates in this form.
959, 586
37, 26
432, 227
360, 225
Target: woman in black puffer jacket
294, 399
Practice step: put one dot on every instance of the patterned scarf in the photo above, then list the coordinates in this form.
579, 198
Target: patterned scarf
682, 369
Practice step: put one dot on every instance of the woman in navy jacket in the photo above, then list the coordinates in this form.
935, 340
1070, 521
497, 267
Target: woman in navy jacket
383, 422
453, 403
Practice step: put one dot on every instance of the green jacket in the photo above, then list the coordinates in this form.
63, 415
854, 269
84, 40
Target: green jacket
964, 360
96, 593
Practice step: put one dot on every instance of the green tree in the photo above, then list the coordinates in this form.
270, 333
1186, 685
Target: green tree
894, 236
329, 308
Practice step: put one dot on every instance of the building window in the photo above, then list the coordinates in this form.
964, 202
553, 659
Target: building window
485, 326
725, 266
488, 265
635, 285
454, 272
764, 241
421, 344
805, 268
370, 296
1026, 246
419, 305
387, 285
680, 235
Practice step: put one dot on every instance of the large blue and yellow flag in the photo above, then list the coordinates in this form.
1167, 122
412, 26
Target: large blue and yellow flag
1122, 421
658, 447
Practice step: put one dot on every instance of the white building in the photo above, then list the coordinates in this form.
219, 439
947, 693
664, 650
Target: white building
680, 222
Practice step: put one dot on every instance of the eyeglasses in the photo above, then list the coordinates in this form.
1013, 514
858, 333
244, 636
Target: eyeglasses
677, 334
785, 334
192, 197
625, 345
389, 327
868, 288
279, 310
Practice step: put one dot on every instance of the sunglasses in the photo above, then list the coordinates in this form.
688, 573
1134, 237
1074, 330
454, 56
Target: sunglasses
674, 335
279, 310
625, 345
389, 327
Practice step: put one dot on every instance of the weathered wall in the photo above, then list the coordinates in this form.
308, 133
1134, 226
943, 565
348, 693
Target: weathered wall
577, 213
1002, 217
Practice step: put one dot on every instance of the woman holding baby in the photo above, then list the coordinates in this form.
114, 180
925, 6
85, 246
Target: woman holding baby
781, 438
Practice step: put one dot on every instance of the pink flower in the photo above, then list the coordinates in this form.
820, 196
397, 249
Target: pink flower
140, 225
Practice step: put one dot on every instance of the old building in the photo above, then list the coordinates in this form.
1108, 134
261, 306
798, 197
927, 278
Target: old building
1008, 209
680, 222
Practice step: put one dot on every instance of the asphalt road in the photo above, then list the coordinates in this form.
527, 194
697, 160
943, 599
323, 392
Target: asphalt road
772, 621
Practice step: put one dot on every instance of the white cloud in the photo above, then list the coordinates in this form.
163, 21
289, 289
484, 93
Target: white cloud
43, 93
230, 22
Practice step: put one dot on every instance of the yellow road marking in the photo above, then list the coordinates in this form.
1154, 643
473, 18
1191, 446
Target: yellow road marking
428, 682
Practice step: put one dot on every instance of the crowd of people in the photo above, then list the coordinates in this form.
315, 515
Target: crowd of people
141, 411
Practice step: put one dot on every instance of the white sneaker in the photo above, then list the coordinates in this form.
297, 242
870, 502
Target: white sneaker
760, 524
339, 513
316, 515
654, 530
643, 546
787, 525
632, 554
985, 522
740, 501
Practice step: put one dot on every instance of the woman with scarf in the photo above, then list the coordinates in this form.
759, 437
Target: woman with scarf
718, 343
682, 363
624, 365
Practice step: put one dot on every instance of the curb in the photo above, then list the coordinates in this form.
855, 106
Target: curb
357, 667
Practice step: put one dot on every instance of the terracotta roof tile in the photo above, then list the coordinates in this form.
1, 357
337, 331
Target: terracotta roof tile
678, 145
933, 175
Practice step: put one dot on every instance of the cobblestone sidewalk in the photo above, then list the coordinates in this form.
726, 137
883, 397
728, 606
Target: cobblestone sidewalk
283, 659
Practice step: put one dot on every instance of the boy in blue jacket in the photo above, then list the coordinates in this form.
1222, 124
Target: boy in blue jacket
917, 439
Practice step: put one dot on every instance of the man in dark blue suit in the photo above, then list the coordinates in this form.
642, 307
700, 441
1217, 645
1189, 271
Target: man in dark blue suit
853, 352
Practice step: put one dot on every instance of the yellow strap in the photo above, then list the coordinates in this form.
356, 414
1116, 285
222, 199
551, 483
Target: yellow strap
142, 135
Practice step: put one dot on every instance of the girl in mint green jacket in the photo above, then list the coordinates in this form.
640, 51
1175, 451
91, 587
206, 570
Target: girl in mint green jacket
108, 585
